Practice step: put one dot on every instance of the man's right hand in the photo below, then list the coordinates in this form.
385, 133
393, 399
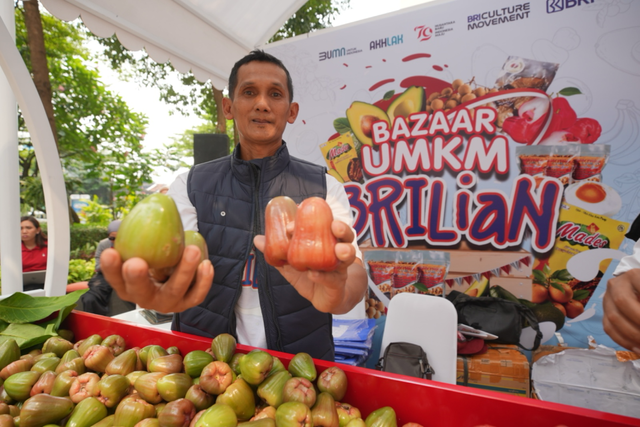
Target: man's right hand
621, 306
132, 282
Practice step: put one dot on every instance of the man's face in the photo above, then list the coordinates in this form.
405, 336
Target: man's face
260, 105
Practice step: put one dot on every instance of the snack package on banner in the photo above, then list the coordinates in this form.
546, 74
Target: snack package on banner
343, 161
394, 272
591, 162
515, 114
579, 233
557, 161
520, 73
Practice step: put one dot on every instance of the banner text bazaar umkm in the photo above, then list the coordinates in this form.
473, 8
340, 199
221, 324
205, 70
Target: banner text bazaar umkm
426, 143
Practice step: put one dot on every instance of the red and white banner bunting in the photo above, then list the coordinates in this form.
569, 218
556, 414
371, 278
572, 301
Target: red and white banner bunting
507, 269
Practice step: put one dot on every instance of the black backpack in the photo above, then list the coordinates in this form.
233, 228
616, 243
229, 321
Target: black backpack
406, 359
497, 316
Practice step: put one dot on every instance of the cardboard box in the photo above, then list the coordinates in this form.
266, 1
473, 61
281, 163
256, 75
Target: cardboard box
502, 368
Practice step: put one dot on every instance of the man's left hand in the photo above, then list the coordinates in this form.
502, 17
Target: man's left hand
336, 291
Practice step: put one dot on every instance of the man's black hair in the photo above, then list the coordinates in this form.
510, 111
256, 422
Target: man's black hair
260, 56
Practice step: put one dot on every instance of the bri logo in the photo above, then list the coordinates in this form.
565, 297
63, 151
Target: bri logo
560, 5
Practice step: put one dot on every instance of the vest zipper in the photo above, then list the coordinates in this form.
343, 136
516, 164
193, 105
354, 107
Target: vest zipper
260, 262
255, 174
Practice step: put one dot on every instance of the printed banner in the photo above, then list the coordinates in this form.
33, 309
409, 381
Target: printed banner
502, 133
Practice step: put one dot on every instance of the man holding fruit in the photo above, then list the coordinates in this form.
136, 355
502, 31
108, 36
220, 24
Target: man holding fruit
621, 303
279, 308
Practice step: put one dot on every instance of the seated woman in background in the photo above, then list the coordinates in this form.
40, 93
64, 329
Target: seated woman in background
34, 247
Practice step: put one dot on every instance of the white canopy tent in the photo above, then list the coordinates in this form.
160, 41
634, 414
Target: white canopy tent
205, 37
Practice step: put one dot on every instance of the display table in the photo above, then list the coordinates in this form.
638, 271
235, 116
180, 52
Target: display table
135, 316
426, 402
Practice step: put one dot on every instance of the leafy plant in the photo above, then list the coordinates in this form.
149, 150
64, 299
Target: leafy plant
86, 252
20, 312
83, 236
23, 308
126, 203
80, 270
96, 213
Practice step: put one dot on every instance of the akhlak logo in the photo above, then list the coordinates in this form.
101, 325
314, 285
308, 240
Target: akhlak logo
424, 33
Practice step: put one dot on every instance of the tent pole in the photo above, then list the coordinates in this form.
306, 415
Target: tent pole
10, 253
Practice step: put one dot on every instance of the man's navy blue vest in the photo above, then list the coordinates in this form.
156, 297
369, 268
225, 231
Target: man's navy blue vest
230, 196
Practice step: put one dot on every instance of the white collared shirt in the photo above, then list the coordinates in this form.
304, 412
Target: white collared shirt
249, 321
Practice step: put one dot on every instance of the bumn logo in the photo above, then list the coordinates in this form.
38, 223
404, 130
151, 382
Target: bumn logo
329, 54
560, 5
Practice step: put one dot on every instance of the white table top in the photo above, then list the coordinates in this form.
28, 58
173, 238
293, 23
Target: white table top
134, 316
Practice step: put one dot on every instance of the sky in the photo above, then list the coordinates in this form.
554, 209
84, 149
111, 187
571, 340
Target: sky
163, 125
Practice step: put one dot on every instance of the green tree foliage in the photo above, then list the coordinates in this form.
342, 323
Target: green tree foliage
31, 191
314, 15
198, 96
189, 96
96, 213
99, 137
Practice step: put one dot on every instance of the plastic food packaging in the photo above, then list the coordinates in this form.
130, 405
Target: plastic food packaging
586, 378
353, 339
520, 73
556, 161
342, 158
591, 162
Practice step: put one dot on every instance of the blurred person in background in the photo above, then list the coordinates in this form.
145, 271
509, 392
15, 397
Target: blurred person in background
97, 299
34, 248
34, 245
